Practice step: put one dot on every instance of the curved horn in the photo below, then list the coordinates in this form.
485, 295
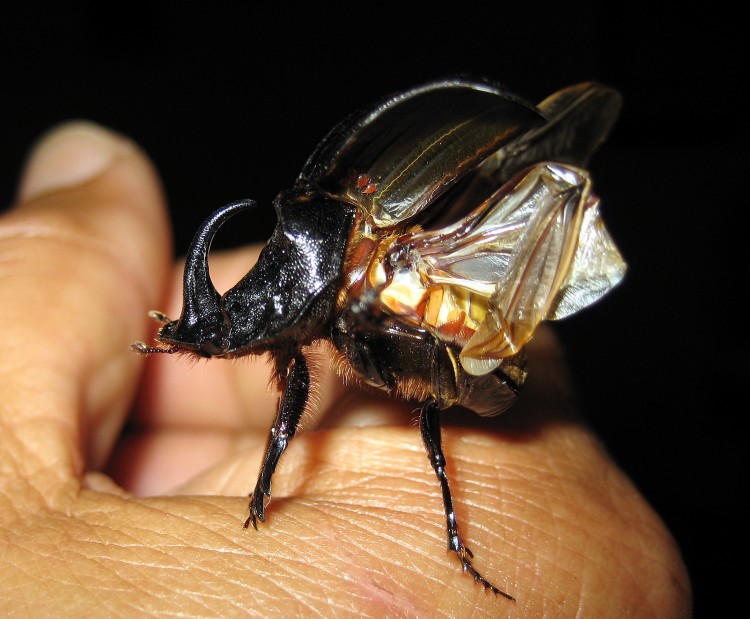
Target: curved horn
202, 319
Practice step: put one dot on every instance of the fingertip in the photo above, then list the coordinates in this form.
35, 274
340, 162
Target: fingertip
67, 155
91, 182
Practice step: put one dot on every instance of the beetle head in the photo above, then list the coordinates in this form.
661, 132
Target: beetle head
285, 299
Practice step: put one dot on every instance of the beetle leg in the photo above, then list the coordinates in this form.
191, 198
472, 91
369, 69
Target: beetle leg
295, 388
429, 424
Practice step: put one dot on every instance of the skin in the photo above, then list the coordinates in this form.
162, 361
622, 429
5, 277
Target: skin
356, 524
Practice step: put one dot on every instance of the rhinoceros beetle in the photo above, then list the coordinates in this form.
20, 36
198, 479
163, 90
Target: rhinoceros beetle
426, 237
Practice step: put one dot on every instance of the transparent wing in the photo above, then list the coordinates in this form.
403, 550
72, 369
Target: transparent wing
537, 250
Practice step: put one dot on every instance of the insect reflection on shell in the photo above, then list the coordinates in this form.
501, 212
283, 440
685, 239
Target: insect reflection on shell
426, 238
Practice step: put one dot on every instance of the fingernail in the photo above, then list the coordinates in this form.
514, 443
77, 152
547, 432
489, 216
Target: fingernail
69, 155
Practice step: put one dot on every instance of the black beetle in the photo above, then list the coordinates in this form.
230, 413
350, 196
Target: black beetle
426, 237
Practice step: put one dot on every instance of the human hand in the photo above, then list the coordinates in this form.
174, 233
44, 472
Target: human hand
356, 526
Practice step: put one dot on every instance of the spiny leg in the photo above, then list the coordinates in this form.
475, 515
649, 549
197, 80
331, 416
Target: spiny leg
295, 388
429, 424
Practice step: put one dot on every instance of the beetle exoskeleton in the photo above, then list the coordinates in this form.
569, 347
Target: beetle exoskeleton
426, 238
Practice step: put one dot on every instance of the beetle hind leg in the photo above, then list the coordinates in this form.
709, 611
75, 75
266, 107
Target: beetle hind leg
429, 425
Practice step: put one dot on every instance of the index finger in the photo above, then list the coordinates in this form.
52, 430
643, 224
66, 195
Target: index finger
82, 253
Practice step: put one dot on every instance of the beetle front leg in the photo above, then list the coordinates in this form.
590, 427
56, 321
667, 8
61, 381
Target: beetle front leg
295, 388
429, 424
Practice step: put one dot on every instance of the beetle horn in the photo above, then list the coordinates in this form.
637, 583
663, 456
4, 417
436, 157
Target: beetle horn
202, 322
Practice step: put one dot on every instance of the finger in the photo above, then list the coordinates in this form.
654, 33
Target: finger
82, 255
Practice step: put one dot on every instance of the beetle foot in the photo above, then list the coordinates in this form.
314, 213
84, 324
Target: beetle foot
144, 349
465, 556
258, 502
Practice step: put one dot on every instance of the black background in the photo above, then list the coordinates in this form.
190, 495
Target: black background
230, 101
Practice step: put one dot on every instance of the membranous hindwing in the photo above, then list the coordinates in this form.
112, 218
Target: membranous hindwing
536, 250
